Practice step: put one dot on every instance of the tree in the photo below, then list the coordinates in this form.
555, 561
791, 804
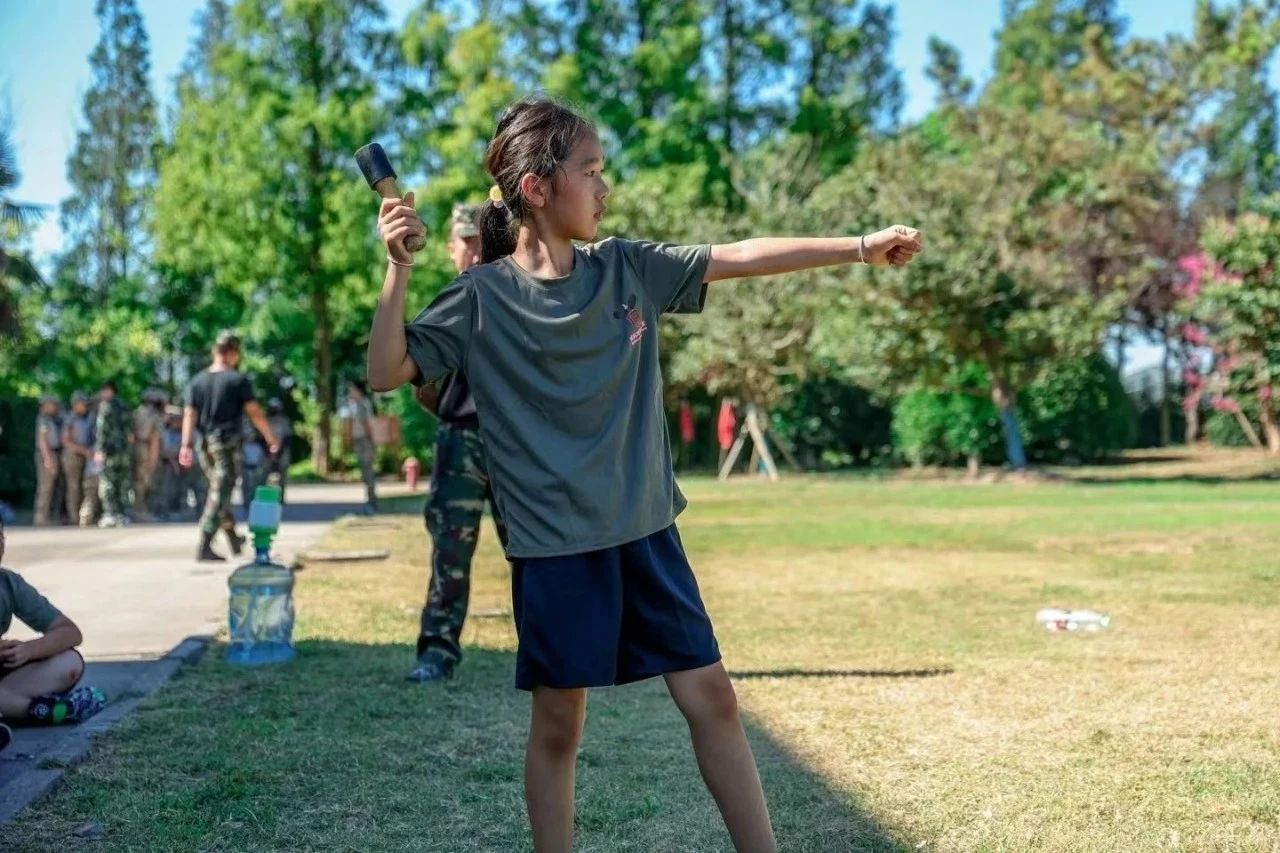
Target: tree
15, 218
848, 84
1242, 303
111, 168
20, 281
946, 72
284, 230
1041, 40
102, 293
638, 68
997, 192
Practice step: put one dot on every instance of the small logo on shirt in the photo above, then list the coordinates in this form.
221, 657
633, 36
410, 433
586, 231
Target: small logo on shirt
634, 318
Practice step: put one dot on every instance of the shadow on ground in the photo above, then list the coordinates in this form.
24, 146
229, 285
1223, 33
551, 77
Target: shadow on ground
337, 749
839, 673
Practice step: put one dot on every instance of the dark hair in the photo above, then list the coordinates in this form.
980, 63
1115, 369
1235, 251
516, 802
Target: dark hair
534, 136
227, 341
110, 383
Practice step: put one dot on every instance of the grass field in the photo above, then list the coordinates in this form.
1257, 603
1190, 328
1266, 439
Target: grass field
881, 634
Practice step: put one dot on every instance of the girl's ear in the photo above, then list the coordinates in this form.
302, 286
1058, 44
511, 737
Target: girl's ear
534, 190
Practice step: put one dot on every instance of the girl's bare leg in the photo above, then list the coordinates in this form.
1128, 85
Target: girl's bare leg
555, 730
705, 696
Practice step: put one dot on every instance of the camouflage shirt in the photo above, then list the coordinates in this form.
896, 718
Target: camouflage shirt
114, 425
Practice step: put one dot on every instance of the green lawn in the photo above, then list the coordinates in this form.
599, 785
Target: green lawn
895, 686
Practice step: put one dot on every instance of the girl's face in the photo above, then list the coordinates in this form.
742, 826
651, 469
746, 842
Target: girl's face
577, 203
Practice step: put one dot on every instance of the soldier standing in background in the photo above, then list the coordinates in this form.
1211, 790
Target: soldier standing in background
114, 435
147, 422
217, 400
360, 411
77, 453
172, 496
48, 452
459, 490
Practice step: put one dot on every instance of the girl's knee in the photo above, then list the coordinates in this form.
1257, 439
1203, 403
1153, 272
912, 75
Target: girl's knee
713, 699
558, 716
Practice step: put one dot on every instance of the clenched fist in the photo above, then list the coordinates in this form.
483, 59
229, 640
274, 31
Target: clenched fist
893, 246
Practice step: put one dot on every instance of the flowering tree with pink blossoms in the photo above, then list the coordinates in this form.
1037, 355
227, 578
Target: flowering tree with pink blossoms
1239, 300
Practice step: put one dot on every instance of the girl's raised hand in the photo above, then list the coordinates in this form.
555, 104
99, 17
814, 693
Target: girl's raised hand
892, 246
397, 219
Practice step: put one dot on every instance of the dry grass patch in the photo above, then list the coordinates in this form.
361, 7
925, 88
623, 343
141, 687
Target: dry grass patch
895, 686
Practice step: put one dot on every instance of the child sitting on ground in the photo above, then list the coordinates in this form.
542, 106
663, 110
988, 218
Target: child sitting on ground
37, 676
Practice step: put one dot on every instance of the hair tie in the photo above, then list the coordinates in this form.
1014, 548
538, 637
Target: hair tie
495, 195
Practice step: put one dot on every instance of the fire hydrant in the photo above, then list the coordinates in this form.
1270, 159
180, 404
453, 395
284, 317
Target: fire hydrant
411, 472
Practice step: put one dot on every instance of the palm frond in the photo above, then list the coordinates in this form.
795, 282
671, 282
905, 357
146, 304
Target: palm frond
19, 213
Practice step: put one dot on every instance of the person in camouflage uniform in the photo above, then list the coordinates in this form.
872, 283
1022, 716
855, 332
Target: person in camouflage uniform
77, 454
459, 490
47, 458
217, 399
114, 436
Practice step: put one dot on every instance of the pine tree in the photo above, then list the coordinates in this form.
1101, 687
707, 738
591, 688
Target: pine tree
284, 246
111, 169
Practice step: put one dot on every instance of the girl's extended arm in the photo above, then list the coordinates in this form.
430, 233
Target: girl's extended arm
894, 246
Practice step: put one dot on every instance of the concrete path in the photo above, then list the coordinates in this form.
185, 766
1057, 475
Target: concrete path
145, 606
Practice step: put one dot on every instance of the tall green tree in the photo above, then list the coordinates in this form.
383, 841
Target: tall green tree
848, 94
637, 67
843, 64
997, 192
1041, 40
946, 72
20, 281
1231, 51
284, 229
111, 168
102, 292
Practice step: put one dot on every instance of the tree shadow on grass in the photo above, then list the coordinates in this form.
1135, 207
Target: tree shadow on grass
839, 673
1178, 479
337, 751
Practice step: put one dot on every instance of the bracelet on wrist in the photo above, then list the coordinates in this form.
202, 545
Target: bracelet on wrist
399, 263
862, 249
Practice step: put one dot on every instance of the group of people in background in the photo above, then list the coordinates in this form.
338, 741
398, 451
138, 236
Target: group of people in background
100, 462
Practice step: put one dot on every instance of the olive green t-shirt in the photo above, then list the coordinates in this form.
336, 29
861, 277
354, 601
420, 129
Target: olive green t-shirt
19, 598
568, 389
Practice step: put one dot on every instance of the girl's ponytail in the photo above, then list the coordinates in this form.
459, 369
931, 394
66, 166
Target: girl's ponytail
497, 232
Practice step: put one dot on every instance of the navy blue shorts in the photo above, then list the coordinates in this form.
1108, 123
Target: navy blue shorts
609, 617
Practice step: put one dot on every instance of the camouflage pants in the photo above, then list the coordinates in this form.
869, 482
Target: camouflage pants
113, 483
459, 489
220, 459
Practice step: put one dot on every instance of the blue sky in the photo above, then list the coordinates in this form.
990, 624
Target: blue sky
45, 45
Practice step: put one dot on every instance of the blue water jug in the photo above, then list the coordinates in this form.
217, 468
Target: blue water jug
260, 613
